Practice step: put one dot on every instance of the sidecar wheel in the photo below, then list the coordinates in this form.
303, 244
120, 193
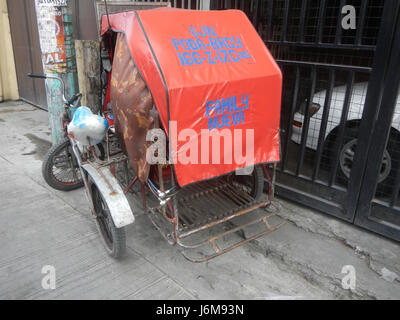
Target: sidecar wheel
253, 184
113, 238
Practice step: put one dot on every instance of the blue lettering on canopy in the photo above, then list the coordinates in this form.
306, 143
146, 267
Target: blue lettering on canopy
204, 31
225, 112
207, 48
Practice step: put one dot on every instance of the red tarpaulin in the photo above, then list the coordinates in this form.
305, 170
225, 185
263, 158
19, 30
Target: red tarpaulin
207, 72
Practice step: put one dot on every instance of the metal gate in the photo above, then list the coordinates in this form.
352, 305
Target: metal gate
379, 208
27, 53
84, 18
340, 107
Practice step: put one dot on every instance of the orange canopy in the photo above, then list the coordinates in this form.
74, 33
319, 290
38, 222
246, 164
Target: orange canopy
208, 72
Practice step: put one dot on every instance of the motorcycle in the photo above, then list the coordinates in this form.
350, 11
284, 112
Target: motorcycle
60, 168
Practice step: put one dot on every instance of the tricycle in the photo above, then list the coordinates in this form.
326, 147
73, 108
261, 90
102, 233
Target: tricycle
184, 93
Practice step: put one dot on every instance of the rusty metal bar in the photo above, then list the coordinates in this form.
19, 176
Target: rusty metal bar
131, 185
223, 234
256, 236
214, 223
143, 195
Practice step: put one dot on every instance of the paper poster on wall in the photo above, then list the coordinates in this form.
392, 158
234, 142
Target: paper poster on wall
51, 34
52, 3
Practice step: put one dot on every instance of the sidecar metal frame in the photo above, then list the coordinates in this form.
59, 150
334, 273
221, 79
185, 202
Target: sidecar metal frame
224, 205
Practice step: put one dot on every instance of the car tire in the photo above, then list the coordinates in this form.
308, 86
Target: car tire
385, 188
390, 163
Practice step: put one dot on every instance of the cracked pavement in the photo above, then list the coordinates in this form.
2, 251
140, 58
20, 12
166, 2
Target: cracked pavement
41, 226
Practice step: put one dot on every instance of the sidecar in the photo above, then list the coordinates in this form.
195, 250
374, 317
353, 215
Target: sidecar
193, 99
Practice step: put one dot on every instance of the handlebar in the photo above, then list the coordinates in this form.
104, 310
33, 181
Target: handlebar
39, 76
43, 76
74, 98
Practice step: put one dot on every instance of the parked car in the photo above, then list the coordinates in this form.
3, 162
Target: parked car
349, 143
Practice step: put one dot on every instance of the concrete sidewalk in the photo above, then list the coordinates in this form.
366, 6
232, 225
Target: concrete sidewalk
41, 226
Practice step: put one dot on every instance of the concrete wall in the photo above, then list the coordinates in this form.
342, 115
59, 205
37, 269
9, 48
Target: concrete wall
8, 77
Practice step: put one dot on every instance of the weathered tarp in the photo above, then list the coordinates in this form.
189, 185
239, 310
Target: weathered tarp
208, 72
131, 104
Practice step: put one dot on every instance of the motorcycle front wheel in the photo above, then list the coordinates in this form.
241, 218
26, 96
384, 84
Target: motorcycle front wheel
60, 168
